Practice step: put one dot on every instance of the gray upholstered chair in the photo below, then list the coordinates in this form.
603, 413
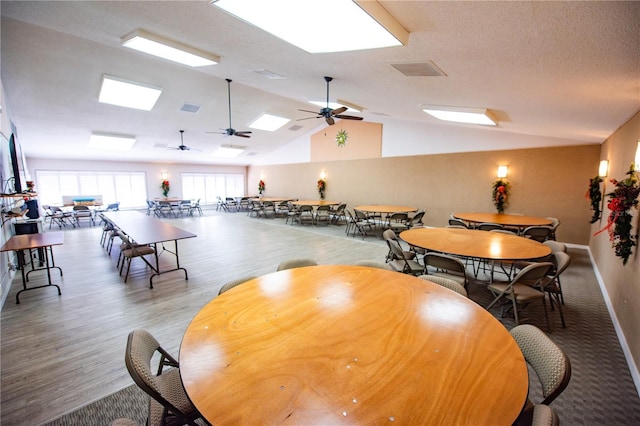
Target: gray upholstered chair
447, 283
554, 226
538, 415
295, 263
457, 222
486, 226
398, 222
446, 266
373, 264
551, 285
169, 403
548, 360
234, 283
522, 290
401, 263
323, 214
129, 250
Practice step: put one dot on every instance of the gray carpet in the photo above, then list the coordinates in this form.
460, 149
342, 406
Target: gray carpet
601, 390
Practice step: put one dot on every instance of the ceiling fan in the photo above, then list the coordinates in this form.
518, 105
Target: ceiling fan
182, 146
231, 131
328, 113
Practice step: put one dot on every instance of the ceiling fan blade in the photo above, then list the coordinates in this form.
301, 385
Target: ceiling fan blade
330, 121
242, 135
245, 131
217, 133
338, 111
348, 117
308, 118
306, 110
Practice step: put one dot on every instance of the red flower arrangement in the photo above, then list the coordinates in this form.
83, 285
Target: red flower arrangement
261, 186
500, 194
621, 200
322, 186
165, 187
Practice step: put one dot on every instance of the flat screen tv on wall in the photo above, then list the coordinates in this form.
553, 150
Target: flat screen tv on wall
15, 165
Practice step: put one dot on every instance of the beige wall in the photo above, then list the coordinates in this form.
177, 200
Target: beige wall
622, 282
544, 182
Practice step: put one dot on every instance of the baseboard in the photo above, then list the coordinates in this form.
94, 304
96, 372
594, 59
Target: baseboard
633, 367
7, 279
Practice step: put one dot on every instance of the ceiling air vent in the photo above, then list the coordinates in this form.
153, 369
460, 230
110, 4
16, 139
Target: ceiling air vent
251, 154
295, 127
270, 74
190, 108
419, 69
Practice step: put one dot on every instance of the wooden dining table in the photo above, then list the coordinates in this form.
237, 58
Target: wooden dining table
476, 244
315, 203
512, 220
338, 344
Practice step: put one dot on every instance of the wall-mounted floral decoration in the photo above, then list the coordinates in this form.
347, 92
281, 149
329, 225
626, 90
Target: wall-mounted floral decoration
595, 195
322, 186
341, 138
623, 198
261, 186
500, 194
165, 187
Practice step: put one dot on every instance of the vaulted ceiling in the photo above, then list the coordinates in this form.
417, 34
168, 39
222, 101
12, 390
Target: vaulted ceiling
567, 70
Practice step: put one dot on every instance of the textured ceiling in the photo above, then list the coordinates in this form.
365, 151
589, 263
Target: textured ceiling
568, 70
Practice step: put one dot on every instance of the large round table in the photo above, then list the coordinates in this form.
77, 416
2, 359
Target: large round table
513, 220
386, 209
336, 344
476, 244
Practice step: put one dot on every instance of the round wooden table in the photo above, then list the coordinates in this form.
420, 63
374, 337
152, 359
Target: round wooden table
476, 244
387, 209
514, 220
315, 203
336, 344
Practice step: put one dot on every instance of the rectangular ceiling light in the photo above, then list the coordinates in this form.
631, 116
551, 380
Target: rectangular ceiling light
168, 49
228, 151
111, 142
121, 92
320, 26
462, 115
269, 122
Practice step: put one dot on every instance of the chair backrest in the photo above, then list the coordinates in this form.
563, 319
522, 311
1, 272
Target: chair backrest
323, 208
533, 273
489, 226
537, 233
234, 283
389, 234
141, 348
113, 207
457, 222
399, 217
555, 246
360, 215
416, 218
446, 262
295, 263
447, 283
305, 208
551, 364
396, 249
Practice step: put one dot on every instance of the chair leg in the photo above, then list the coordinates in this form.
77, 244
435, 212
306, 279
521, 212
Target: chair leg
515, 310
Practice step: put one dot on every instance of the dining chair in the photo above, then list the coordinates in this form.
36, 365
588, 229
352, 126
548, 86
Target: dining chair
195, 207
322, 215
416, 220
268, 209
306, 214
537, 233
295, 263
538, 415
389, 234
443, 265
487, 226
81, 213
168, 403
551, 285
398, 221
522, 290
184, 208
59, 217
555, 223
234, 283
400, 263
355, 225
446, 283
457, 222
338, 214
255, 209
130, 250
550, 363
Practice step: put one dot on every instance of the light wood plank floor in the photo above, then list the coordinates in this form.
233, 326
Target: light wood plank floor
61, 352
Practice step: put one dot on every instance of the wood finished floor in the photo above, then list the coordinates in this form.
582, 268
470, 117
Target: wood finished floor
62, 352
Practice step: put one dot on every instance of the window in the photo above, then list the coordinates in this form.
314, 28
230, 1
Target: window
206, 186
127, 188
